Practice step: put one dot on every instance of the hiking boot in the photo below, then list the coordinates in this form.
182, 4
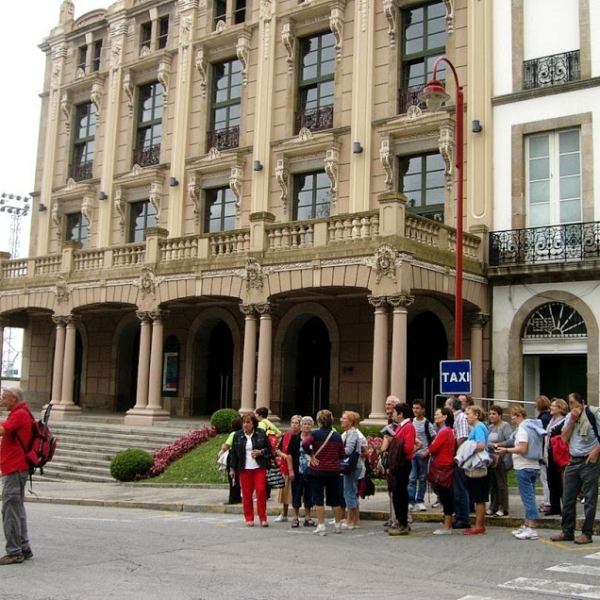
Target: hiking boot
11, 559
27, 554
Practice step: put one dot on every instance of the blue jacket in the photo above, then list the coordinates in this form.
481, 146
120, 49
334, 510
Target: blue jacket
535, 438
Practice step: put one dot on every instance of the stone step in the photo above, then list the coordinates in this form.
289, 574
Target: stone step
108, 451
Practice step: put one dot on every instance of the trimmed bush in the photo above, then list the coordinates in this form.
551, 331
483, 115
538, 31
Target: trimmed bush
129, 464
221, 420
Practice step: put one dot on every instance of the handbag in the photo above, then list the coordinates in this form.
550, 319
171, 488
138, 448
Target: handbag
275, 479
478, 473
348, 465
440, 475
561, 454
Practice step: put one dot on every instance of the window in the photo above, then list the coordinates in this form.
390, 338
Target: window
84, 133
424, 40
422, 180
76, 229
142, 216
553, 166
239, 11
226, 105
220, 210
229, 12
149, 125
82, 58
146, 36
163, 32
97, 55
316, 82
311, 196
220, 12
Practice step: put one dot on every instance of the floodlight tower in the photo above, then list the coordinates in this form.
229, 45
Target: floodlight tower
17, 207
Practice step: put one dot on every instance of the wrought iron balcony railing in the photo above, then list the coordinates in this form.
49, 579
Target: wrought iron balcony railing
82, 171
145, 157
542, 245
224, 139
408, 97
315, 119
551, 70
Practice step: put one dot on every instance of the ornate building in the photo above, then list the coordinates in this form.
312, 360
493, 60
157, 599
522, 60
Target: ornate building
244, 203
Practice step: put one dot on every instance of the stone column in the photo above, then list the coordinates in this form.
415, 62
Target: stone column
59, 355
478, 322
380, 360
249, 364
3, 324
143, 374
265, 357
65, 405
399, 337
156, 365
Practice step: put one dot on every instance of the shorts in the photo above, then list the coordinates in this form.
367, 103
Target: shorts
325, 487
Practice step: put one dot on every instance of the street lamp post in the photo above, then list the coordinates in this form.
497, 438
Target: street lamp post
434, 94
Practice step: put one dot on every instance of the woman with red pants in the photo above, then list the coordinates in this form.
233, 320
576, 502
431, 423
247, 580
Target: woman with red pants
250, 455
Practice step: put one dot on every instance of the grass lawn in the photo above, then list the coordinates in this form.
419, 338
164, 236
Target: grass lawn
198, 466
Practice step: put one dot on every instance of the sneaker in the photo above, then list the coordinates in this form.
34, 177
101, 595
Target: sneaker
320, 530
332, 522
392, 525
421, 507
11, 559
411, 507
527, 534
397, 531
281, 519
442, 532
436, 504
345, 527
27, 554
520, 530
337, 528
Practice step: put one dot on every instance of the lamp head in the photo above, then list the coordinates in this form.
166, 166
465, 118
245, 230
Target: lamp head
434, 95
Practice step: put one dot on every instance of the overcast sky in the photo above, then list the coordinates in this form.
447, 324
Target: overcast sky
26, 24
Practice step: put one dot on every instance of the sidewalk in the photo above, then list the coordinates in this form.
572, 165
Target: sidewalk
211, 499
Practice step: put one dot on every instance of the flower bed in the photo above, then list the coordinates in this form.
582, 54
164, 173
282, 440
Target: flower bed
374, 450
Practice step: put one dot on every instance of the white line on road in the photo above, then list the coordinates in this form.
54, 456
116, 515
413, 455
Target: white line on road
547, 586
577, 569
595, 556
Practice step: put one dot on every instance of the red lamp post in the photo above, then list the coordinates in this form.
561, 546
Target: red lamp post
434, 94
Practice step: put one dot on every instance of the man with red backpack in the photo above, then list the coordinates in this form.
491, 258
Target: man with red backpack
15, 470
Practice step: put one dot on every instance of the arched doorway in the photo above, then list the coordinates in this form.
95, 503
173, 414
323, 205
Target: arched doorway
213, 369
427, 346
127, 367
554, 352
313, 350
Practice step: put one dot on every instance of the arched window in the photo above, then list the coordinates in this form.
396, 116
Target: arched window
554, 320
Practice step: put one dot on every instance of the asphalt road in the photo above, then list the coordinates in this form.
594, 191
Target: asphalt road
88, 553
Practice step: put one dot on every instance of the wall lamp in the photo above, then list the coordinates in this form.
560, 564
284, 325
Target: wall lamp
102, 196
357, 148
476, 126
173, 182
41, 207
257, 166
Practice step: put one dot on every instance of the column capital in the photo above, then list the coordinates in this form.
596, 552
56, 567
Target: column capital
143, 315
248, 309
264, 308
158, 315
378, 301
479, 319
72, 319
400, 300
60, 319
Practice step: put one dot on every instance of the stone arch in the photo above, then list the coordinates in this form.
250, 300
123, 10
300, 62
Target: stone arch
515, 388
288, 326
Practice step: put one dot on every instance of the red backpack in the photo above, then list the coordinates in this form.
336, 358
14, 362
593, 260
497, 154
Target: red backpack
42, 444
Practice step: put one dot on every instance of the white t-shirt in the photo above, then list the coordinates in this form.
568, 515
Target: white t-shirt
519, 460
250, 460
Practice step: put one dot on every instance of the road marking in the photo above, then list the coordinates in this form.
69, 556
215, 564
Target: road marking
567, 546
577, 569
475, 598
595, 556
547, 586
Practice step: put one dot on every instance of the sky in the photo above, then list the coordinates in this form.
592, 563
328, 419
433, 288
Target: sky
26, 26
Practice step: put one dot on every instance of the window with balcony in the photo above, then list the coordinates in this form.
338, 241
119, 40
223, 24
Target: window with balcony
219, 213
228, 12
146, 36
149, 125
553, 175
163, 32
142, 215
422, 181
552, 70
82, 58
76, 229
224, 131
423, 40
84, 133
96, 62
316, 82
311, 196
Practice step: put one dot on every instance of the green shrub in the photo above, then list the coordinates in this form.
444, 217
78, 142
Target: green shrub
370, 430
126, 465
221, 420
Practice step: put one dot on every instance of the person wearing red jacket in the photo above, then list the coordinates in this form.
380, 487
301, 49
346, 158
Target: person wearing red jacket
16, 434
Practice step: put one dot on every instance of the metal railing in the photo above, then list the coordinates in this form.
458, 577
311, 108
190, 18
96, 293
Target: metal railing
224, 139
82, 171
315, 119
147, 156
551, 70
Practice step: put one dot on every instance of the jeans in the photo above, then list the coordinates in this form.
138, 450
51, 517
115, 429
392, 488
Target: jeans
418, 474
460, 496
580, 475
13, 512
351, 489
526, 480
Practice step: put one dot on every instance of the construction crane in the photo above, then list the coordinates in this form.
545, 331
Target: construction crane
16, 207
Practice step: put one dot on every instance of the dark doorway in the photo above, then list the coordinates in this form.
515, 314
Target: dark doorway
427, 346
213, 369
127, 367
562, 374
312, 368
78, 368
